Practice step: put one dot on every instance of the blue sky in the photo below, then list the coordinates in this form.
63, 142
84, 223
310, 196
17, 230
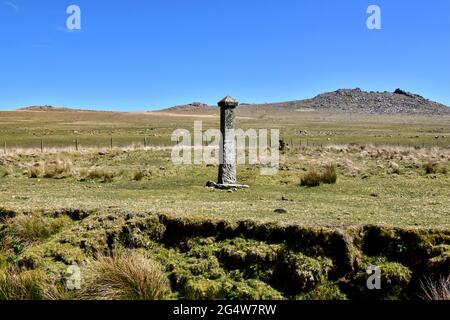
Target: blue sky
138, 55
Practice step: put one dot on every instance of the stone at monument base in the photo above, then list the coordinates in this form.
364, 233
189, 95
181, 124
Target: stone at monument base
231, 186
227, 186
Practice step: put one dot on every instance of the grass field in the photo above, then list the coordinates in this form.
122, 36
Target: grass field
370, 187
382, 182
389, 206
25, 129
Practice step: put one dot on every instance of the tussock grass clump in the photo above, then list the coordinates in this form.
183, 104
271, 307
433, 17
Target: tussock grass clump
58, 169
7, 171
108, 176
314, 179
35, 170
30, 228
94, 173
80, 173
29, 285
395, 168
311, 179
51, 169
436, 290
125, 276
100, 173
434, 168
138, 175
329, 175
26, 285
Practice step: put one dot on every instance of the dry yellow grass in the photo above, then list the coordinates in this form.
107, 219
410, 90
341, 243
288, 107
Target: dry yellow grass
124, 276
30, 228
27, 285
436, 290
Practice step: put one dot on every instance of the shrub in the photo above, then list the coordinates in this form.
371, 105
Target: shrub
125, 276
436, 290
314, 179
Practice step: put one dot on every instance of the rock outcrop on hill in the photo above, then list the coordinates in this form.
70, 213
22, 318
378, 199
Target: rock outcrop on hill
352, 101
47, 108
358, 101
192, 107
345, 101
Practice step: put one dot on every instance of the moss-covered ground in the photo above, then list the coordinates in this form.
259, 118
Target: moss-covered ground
216, 259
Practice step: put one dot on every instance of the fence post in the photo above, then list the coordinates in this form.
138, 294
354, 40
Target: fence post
76, 144
111, 143
4, 148
42, 145
145, 142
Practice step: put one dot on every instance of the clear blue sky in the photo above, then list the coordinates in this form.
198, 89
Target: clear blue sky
142, 54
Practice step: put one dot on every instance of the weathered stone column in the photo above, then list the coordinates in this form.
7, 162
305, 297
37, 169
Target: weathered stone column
227, 148
227, 169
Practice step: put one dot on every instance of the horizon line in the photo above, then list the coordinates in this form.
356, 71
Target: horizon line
151, 109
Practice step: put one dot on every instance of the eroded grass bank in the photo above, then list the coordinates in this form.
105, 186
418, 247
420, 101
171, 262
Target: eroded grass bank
209, 259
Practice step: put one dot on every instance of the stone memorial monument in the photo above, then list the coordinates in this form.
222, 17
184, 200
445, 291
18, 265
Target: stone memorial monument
227, 169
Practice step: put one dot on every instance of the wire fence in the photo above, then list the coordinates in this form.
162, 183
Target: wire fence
42, 145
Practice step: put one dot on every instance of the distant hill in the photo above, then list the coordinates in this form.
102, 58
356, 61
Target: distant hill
47, 108
345, 101
351, 101
192, 107
58, 109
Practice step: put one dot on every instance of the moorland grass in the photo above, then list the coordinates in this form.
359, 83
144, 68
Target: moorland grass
436, 289
363, 148
314, 179
123, 276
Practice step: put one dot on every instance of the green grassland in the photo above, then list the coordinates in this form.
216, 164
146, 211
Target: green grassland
367, 189
94, 129
390, 206
383, 182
